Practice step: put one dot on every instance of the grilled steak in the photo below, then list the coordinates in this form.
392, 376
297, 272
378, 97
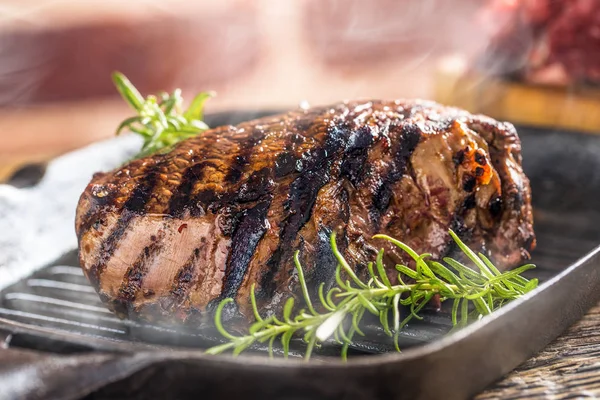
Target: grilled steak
167, 236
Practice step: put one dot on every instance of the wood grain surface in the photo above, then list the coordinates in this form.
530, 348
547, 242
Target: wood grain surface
569, 368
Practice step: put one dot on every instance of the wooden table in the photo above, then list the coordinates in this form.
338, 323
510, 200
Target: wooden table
568, 368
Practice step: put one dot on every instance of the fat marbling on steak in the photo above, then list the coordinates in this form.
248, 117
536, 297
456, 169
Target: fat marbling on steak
167, 236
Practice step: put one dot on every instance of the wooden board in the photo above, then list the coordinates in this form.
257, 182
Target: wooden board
536, 105
567, 368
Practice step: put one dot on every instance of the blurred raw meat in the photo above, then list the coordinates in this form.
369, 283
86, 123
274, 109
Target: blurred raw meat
545, 41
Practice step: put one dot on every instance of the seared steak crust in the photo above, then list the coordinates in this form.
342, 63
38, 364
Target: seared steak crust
169, 235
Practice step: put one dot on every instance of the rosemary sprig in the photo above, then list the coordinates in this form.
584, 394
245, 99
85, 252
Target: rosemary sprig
483, 290
160, 120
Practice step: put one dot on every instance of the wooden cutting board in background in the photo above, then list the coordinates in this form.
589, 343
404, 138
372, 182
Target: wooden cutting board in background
576, 109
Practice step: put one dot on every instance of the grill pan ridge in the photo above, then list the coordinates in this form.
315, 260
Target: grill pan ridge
54, 329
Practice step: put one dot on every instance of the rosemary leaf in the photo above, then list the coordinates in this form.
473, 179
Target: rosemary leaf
160, 120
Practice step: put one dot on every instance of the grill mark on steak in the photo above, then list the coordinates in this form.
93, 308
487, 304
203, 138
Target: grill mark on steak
301, 200
142, 192
94, 214
324, 259
250, 230
253, 188
285, 164
269, 241
321, 266
132, 207
323, 270
91, 219
103, 193
180, 201
133, 278
356, 154
108, 247
242, 158
184, 280
258, 185
410, 136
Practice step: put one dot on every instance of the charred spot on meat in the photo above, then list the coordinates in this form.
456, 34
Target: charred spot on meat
165, 236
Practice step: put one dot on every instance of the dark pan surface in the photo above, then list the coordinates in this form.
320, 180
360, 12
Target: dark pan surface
55, 311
